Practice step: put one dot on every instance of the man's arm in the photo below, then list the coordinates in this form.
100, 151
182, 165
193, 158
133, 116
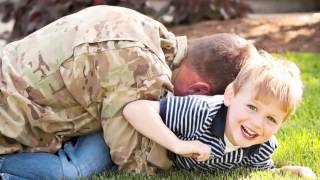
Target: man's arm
144, 116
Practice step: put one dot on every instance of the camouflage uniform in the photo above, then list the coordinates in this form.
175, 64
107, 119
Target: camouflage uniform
74, 76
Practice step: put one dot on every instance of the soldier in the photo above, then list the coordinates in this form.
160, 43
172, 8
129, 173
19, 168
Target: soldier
74, 76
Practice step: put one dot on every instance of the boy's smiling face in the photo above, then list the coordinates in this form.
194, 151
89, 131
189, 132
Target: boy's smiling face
251, 121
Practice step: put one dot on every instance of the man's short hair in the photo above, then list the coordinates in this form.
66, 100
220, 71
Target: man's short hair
218, 58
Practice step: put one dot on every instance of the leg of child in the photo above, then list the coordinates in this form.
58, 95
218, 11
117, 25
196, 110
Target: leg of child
87, 157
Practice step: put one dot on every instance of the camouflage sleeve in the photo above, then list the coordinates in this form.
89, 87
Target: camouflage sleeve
20, 117
17, 117
103, 78
144, 76
174, 48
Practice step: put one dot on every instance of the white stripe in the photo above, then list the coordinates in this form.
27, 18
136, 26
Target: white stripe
187, 128
267, 148
180, 120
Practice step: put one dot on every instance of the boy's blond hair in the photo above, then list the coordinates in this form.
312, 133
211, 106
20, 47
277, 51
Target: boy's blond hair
275, 78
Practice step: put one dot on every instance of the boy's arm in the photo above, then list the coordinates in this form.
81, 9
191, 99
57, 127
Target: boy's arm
144, 116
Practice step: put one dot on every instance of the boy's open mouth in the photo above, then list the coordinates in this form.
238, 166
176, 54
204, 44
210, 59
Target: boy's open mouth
249, 134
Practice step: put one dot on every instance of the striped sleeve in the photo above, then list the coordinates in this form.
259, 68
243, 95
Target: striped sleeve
263, 160
184, 116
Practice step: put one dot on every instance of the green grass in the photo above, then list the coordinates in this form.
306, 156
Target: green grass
299, 138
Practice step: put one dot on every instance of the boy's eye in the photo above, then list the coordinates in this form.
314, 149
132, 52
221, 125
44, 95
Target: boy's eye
270, 118
251, 107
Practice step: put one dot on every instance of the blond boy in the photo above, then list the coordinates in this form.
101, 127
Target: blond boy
230, 130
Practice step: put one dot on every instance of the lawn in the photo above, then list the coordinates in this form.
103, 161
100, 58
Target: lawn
299, 139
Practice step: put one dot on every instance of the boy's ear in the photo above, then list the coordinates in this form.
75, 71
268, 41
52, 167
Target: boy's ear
228, 94
199, 88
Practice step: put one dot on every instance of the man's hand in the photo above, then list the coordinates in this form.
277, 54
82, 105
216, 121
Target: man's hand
299, 171
194, 149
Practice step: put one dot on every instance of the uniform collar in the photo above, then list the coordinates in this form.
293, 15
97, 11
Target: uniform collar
218, 128
182, 47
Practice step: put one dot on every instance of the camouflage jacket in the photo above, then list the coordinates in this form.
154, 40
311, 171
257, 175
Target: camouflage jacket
75, 75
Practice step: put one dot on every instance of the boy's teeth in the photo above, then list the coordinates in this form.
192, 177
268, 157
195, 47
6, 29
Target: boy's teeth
249, 132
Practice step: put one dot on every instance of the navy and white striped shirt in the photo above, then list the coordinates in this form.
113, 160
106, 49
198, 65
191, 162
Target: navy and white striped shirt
203, 118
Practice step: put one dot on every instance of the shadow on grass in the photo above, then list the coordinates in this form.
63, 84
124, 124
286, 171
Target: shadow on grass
239, 173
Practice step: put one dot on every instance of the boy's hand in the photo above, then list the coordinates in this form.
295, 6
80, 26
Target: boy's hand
195, 149
299, 171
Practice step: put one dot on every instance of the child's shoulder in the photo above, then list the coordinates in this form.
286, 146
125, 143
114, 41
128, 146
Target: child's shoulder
271, 145
210, 99
272, 142
262, 151
196, 103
